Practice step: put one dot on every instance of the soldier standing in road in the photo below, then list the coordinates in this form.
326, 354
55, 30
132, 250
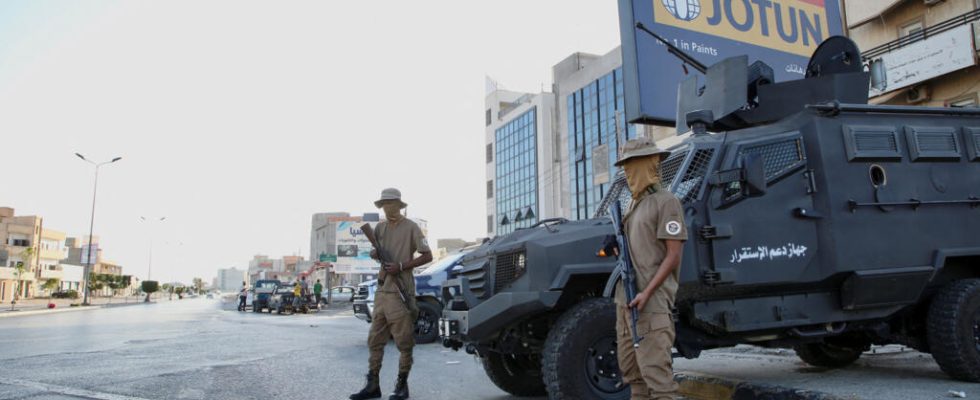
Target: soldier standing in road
399, 238
655, 227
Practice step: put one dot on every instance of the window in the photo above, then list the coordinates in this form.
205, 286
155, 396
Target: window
490, 189
914, 30
489, 116
595, 119
489, 153
516, 172
964, 102
490, 224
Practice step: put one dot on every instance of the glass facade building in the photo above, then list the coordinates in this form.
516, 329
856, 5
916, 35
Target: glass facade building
516, 164
596, 119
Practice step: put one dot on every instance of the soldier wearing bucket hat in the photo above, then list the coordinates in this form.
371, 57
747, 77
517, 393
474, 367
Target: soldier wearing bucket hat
399, 239
655, 227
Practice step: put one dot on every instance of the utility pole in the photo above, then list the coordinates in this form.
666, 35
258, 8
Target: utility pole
91, 225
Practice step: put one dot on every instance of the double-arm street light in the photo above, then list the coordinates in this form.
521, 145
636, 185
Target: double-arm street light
91, 224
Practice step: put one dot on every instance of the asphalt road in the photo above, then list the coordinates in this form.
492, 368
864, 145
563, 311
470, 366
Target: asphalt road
194, 349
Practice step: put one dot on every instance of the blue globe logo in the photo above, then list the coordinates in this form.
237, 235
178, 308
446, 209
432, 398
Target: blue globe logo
684, 10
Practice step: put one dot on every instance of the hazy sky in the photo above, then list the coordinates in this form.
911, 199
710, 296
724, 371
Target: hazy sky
237, 120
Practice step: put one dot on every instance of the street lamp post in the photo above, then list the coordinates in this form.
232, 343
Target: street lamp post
149, 267
91, 223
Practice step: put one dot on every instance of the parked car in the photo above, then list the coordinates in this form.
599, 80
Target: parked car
428, 294
340, 294
262, 292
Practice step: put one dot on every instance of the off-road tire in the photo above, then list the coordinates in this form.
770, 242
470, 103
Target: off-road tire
570, 347
507, 372
432, 314
953, 329
827, 355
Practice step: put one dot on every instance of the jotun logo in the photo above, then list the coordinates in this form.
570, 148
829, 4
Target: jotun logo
684, 10
792, 26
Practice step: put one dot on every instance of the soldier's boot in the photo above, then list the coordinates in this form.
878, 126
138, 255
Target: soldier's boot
401, 388
371, 390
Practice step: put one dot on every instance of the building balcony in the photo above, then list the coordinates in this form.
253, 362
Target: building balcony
52, 274
926, 33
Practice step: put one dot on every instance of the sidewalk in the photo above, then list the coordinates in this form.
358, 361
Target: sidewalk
37, 306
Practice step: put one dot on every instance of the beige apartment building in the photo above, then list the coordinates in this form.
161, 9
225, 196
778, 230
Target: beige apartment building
928, 49
17, 234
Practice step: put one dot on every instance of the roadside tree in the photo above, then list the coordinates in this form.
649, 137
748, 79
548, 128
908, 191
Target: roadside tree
149, 287
19, 269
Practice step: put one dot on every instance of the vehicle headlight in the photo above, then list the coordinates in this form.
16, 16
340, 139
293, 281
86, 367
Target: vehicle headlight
520, 263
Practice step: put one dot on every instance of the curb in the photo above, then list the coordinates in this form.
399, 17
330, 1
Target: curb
27, 313
705, 387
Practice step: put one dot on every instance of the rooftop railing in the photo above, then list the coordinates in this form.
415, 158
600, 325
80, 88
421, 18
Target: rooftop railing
925, 33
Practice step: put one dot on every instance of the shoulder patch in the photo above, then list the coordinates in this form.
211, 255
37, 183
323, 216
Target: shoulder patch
673, 227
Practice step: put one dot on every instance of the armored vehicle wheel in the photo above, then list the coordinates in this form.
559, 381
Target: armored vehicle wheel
427, 324
828, 355
954, 329
517, 374
582, 344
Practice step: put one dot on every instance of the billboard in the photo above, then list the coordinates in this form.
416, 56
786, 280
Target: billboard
781, 33
90, 250
354, 250
926, 59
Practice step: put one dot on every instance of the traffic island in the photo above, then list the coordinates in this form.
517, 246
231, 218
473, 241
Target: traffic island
704, 387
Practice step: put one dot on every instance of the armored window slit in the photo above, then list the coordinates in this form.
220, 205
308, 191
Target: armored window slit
871, 143
932, 143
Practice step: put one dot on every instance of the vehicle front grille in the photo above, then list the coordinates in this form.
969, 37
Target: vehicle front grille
362, 293
478, 281
507, 269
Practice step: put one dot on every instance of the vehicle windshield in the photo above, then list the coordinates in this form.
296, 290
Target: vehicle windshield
440, 265
266, 285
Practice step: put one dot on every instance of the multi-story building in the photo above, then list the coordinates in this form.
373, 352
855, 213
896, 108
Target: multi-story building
521, 160
926, 50
551, 154
230, 279
17, 234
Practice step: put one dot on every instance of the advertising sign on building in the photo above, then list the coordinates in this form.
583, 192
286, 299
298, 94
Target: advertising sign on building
926, 59
781, 33
354, 250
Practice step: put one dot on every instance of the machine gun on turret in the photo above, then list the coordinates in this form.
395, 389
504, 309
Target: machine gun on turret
735, 95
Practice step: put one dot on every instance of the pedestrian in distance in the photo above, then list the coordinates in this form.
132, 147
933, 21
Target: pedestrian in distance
297, 293
242, 296
399, 239
317, 292
654, 225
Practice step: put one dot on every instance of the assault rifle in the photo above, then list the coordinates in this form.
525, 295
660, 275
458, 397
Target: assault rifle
369, 234
625, 265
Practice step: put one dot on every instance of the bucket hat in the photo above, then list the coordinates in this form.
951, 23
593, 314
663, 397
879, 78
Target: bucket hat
640, 147
390, 194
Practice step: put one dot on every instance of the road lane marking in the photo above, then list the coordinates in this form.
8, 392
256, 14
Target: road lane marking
65, 390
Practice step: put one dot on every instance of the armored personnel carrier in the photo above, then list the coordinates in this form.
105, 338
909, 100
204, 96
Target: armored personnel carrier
816, 222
